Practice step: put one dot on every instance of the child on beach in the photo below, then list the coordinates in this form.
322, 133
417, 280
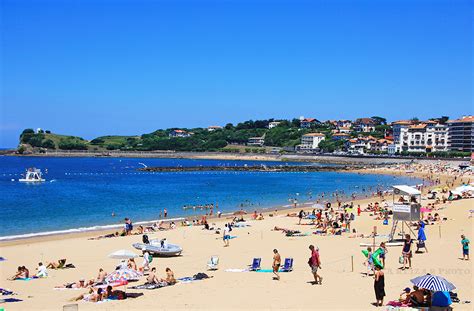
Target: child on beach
370, 261
42, 272
406, 252
383, 253
465, 247
276, 264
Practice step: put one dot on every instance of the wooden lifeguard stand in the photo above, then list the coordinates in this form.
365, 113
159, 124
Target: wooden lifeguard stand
406, 207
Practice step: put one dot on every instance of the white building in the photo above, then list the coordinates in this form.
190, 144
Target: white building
311, 141
426, 136
273, 124
213, 128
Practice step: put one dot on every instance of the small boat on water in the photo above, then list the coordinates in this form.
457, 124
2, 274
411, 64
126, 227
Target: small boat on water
157, 248
33, 175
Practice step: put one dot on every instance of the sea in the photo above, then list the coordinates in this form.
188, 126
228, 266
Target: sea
92, 193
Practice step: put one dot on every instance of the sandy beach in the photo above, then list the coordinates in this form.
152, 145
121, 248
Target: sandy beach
344, 286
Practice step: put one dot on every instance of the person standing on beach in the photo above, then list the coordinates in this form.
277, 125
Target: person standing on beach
226, 235
406, 252
315, 264
165, 213
465, 247
300, 216
421, 237
379, 286
276, 264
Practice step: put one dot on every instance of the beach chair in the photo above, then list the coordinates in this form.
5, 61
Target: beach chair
288, 265
213, 263
255, 264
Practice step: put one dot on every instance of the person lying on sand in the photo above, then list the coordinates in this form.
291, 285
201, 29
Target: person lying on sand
80, 284
100, 277
106, 236
57, 265
92, 296
114, 294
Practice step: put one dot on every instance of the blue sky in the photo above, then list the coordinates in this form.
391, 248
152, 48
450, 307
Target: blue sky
97, 67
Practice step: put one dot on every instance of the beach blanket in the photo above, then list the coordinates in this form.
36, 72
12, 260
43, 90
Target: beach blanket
27, 279
149, 286
237, 270
10, 300
6, 292
270, 270
297, 234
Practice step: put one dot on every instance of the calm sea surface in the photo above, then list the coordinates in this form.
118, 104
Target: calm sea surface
84, 192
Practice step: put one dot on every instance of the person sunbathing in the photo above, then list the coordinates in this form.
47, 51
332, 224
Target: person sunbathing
56, 265
92, 296
170, 280
114, 294
101, 277
151, 278
21, 273
132, 264
80, 284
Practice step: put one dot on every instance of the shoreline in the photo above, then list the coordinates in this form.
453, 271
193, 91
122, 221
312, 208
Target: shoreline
111, 228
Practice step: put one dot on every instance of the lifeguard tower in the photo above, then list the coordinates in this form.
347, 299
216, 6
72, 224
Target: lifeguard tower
406, 207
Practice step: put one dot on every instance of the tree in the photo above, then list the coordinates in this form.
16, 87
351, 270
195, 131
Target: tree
48, 144
379, 120
229, 126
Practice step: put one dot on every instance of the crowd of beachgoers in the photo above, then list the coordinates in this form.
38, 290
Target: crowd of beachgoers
328, 215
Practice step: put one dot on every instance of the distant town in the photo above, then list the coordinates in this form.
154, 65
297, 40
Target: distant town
438, 137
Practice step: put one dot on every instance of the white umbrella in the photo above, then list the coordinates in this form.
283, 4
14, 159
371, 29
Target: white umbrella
123, 254
464, 188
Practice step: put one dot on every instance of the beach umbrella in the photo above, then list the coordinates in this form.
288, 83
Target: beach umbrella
123, 254
433, 282
123, 275
425, 210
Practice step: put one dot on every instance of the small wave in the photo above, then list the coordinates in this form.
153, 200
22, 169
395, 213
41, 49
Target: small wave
82, 229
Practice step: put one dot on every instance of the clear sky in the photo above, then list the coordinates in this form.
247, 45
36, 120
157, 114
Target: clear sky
97, 67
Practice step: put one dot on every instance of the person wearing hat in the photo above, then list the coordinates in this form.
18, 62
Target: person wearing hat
405, 295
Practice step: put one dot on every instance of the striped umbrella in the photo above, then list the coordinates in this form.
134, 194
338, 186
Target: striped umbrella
123, 275
433, 282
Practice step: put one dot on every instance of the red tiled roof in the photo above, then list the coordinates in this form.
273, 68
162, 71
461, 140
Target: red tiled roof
314, 134
467, 119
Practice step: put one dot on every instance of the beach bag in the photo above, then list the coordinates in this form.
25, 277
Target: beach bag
400, 260
150, 258
421, 244
385, 222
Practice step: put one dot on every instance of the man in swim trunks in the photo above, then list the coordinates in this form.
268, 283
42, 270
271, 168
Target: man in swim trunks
315, 264
276, 264
152, 279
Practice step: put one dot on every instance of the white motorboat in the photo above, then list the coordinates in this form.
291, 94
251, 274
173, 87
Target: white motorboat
159, 248
33, 175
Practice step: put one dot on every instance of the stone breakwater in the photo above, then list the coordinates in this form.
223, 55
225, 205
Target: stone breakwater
255, 168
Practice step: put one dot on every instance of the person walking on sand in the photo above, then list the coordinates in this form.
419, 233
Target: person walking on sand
421, 237
465, 247
379, 286
315, 264
383, 253
276, 264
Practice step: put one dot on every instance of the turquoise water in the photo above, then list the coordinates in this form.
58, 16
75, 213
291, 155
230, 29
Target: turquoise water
84, 192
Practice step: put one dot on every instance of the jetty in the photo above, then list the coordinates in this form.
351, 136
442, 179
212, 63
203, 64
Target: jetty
250, 168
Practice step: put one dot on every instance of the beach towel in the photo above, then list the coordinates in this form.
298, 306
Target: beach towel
236, 270
27, 279
270, 270
6, 292
149, 286
2, 259
10, 300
